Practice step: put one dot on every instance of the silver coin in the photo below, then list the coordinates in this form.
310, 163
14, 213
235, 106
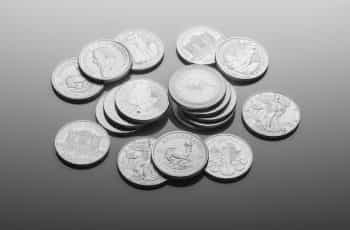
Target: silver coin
145, 47
180, 154
242, 58
142, 100
105, 60
271, 114
134, 163
112, 113
82, 143
197, 87
229, 156
68, 81
198, 44
101, 119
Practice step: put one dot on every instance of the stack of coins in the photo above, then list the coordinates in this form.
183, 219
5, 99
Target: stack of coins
201, 98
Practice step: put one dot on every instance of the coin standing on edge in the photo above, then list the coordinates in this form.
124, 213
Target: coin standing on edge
82, 143
180, 154
271, 115
242, 58
145, 47
198, 44
142, 100
105, 60
68, 81
134, 163
230, 157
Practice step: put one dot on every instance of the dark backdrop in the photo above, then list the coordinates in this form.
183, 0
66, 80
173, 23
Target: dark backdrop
298, 183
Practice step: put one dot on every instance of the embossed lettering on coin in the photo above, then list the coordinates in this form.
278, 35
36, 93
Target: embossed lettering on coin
229, 156
271, 114
134, 163
82, 143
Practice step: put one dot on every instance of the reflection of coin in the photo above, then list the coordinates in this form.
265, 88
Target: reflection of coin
134, 163
82, 143
242, 58
68, 81
197, 87
198, 44
180, 154
105, 60
229, 156
271, 114
145, 47
142, 100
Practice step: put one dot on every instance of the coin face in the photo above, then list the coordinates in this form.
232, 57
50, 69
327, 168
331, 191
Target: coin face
197, 87
134, 163
82, 143
242, 58
198, 44
180, 154
105, 60
69, 82
271, 114
142, 100
145, 47
229, 156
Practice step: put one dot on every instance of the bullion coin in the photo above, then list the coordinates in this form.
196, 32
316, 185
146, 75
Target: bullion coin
68, 81
271, 114
242, 58
180, 154
105, 60
197, 45
145, 47
134, 163
229, 156
82, 143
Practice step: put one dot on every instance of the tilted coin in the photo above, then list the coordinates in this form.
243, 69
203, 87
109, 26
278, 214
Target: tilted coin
242, 58
198, 44
180, 154
112, 113
82, 143
142, 100
145, 47
68, 81
271, 114
197, 87
102, 120
229, 156
105, 60
134, 163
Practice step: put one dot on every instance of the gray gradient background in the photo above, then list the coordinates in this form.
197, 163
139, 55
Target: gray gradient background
298, 183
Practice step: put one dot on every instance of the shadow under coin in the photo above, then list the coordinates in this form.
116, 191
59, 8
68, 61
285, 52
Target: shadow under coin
240, 82
228, 181
185, 182
148, 70
75, 101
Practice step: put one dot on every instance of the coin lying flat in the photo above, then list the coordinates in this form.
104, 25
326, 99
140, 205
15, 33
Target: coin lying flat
271, 114
134, 163
180, 154
82, 143
242, 58
105, 60
101, 119
69, 82
197, 87
229, 156
112, 113
145, 47
142, 100
198, 44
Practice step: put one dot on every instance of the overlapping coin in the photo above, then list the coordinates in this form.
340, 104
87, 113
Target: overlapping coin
145, 47
134, 163
82, 143
271, 115
230, 157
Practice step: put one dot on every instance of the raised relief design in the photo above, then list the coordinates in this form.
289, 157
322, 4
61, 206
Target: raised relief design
179, 158
200, 45
104, 60
142, 98
82, 141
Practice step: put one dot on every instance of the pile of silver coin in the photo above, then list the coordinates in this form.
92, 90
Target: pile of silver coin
201, 96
